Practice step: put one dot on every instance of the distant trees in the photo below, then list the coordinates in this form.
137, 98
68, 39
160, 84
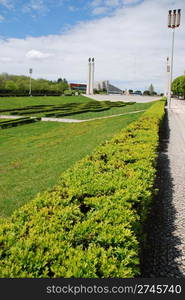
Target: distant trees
14, 85
146, 93
178, 86
150, 91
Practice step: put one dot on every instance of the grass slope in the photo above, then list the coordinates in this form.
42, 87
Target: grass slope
18, 102
111, 111
33, 156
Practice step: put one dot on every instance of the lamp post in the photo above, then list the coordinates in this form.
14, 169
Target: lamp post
167, 77
173, 22
30, 71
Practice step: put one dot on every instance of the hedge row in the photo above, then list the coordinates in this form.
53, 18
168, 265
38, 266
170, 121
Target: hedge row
16, 122
65, 109
90, 224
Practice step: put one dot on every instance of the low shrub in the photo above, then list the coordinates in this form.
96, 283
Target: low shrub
90, 224
17, 122
65, 109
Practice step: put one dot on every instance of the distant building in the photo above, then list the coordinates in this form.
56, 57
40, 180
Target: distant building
105, 86
78, 87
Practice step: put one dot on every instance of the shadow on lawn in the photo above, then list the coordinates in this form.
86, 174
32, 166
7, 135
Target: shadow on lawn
158, 258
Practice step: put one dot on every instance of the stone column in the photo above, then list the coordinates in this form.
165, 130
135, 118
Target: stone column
88, 78
92, 78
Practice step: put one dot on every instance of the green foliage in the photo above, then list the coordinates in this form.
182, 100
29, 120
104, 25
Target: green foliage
16, 122
151, 90
64, 109
14, 85
68, 93
146, 93
90, 224
178, 86
50, 148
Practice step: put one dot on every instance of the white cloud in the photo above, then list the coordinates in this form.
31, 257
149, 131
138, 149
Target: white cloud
131, 1
97, 3
111, 3
72, 8
130, 48
7, 3
101, 7
35, 54
1, 18
5, 59
38, 6
100, 10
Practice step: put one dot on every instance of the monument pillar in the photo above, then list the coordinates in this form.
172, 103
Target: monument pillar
92, 77
89, 77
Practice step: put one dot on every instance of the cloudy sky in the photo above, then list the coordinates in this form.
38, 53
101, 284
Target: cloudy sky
129, 39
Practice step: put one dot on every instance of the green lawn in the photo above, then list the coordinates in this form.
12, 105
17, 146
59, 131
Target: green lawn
18, 102
111, 111
33, 156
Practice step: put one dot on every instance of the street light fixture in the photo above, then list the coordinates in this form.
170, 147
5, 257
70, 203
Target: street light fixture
30, 71
174, 17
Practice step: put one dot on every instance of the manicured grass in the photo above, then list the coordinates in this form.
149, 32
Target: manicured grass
18, 102
111, 111
33, 156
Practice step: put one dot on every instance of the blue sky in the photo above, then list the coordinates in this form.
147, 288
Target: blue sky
20, 18
129, 39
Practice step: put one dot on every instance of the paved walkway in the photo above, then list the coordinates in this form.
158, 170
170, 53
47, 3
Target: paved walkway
64, 120
166, 256
123, 98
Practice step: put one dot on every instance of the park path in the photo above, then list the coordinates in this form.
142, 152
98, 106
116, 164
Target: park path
124, 98
166, 254
64, 120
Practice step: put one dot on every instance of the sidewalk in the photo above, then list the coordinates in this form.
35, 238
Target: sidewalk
166, 253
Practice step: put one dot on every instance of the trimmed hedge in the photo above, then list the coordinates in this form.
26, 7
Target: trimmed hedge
90, 224
65, 109
16, 122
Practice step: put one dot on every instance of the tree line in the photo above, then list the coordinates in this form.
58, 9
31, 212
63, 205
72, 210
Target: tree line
15, 85
178, 87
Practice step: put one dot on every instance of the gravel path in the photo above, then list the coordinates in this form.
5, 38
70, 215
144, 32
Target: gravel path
9, 117
165, 257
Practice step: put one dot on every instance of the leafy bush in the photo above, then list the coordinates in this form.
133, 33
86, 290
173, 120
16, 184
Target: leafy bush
90, 224
68, 93
178, 86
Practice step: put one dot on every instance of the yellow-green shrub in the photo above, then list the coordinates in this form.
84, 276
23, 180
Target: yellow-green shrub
90, 224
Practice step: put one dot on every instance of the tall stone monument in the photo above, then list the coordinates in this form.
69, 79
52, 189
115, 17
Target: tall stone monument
90, 79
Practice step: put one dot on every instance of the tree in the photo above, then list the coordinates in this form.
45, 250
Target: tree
178, 86
151, 90
146, 92
11, 85
19, 85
